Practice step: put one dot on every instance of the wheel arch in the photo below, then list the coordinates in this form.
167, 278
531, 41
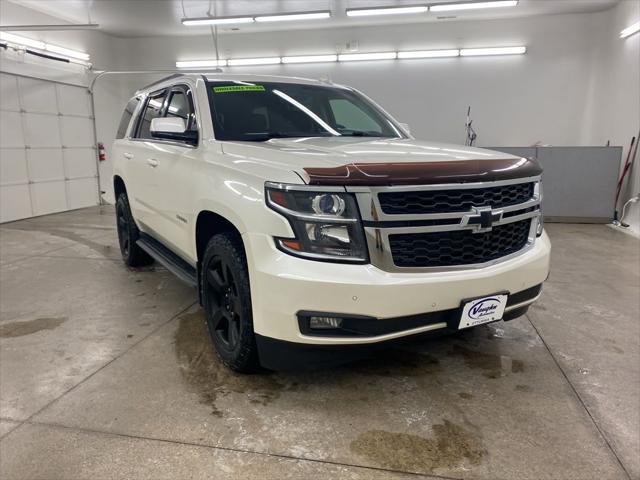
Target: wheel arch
209, 223
118, 186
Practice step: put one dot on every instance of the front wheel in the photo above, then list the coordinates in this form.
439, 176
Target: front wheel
226, 297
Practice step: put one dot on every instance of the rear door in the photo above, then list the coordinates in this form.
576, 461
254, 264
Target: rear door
142, 157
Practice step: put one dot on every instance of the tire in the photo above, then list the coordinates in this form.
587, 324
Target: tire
128, 234
226, 298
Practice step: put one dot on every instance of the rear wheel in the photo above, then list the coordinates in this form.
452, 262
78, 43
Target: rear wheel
128, 235
226, 297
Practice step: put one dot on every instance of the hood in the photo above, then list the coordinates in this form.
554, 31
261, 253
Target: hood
365, 161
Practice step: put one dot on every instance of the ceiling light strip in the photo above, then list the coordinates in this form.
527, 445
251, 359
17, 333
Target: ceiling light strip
349, 57
201, 64
451, 7
61, 52
429, 54
630, 30
474, 52
364, 12
310, 58
216, 21
285, 17
253, 61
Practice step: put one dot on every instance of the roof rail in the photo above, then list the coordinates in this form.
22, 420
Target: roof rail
175, 75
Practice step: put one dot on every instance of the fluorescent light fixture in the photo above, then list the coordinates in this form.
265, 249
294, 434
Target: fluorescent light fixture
201, 63
63, 26
285, 17
216, 20
44, 47
472, 52
429, 54
67, 52
310, 59
635, 28
363, 12
348, 57
22, 41
254, 61
450, 7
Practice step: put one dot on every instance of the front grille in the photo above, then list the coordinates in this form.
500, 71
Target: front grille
460, 200
461, 247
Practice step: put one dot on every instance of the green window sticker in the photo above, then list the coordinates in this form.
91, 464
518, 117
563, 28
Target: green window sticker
239, 88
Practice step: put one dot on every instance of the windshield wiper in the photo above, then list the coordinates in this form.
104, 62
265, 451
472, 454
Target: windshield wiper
361, 133
263, 137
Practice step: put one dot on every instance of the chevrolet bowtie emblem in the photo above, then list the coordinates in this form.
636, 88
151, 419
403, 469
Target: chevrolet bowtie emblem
482, 219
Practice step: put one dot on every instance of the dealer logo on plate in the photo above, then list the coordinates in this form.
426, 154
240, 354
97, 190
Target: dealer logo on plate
484, 307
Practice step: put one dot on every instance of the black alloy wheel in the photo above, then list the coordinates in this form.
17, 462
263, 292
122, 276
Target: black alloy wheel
226, 298
128, 235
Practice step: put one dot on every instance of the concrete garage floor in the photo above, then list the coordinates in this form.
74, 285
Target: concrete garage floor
106, 372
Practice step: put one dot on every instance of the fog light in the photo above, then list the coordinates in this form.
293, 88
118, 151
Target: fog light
324, 322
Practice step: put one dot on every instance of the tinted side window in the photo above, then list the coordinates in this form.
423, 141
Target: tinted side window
126, 117
152, 110
181, 105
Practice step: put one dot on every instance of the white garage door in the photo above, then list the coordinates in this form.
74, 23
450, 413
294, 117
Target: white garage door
47, 148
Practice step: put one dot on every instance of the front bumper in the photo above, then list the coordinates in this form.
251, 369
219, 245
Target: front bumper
282, 286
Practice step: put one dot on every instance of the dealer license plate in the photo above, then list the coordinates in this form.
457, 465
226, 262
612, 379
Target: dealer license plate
483, 310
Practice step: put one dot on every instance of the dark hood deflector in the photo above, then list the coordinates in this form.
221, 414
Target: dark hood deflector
421, 173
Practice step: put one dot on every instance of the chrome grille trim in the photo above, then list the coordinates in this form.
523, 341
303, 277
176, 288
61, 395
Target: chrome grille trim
378, 236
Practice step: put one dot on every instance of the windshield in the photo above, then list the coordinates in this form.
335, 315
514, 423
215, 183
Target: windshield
264, 110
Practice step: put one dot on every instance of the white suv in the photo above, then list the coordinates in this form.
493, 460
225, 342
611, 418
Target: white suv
314, 225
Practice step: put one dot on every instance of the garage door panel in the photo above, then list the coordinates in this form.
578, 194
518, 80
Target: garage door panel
79, 162
81, 192
42, 130
11, 129
73, 100
48, 197
9, 93
47, 148
13, 166
77, 132
38, 95
15, 202
45, 164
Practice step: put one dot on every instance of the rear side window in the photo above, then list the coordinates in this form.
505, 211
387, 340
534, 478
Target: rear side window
126, 117
152, 110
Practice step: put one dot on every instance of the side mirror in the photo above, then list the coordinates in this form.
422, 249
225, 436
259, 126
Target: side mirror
406, 128
173, 128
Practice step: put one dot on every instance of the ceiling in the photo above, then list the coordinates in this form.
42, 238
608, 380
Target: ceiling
142, 18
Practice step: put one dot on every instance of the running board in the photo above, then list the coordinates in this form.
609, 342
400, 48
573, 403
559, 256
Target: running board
168, 259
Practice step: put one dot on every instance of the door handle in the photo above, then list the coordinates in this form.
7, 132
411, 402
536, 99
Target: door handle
127, 155
152, 162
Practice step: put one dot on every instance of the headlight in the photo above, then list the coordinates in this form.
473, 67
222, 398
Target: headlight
326, 223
